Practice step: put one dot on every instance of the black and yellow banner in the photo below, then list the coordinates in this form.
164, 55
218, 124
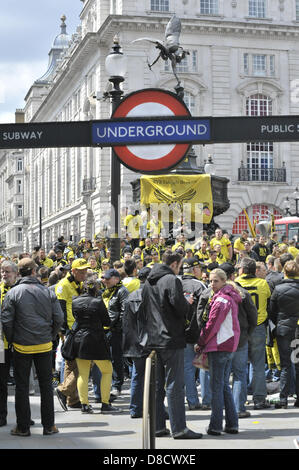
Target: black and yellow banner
179, 191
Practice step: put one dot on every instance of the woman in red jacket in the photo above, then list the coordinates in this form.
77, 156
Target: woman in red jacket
219, 338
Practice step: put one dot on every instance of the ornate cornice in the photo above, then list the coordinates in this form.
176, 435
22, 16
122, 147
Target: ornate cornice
216, 25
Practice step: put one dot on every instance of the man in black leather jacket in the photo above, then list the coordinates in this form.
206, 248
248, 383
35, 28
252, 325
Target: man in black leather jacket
114, 297
165, 313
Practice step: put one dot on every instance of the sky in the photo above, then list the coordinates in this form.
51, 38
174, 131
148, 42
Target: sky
27, 31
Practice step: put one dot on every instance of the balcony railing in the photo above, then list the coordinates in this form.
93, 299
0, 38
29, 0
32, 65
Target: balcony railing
274, 175
89, 185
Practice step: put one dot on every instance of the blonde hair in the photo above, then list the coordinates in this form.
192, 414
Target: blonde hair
219, 273
291, 269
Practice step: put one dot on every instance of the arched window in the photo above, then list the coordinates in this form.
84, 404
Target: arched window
259, 154
257, 212
258, 105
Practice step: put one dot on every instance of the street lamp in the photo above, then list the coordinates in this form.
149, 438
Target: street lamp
287, 205
115, 65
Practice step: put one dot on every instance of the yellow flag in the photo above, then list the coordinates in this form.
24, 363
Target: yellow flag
187, 192
272, 223
252, 229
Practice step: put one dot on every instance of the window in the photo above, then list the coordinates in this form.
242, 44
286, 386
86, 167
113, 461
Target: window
194, 58
258, 105
188, 64
189, 100
19, 186
297, 10
19, 234
257, 8
240, 224
260, 160
183, 65
160, 5
19, 211
20, 164
259, 65
259, 154
257, 212
209, 7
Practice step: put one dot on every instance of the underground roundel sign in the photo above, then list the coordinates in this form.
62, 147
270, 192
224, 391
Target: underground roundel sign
155, 157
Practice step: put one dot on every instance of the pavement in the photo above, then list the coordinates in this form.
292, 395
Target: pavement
265, 429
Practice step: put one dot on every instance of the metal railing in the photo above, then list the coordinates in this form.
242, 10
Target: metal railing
275, 175
149, 403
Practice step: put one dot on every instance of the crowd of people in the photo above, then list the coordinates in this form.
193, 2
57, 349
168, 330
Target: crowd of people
232, 306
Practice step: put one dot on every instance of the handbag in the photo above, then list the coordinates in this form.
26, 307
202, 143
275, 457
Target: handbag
270, 333
68, 346
201, 361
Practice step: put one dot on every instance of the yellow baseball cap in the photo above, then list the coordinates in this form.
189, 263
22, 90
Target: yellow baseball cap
80, 263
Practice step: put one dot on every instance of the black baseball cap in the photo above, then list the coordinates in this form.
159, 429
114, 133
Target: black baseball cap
191, 262
143, 273
228, 268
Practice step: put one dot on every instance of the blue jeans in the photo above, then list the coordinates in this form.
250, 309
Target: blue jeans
239, 371
189, 376
170, 379
285, 350
222, 397
137, 385
256, 353
205, 388
115, 340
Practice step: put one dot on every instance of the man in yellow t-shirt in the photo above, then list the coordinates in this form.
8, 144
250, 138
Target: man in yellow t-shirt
131, 282
239, 242
203, 254
44, 260
220, 257
260, 294
292, 249
226, 246
65, 289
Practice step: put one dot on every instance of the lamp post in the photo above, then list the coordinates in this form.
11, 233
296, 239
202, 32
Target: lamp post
115, 65
287, 204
